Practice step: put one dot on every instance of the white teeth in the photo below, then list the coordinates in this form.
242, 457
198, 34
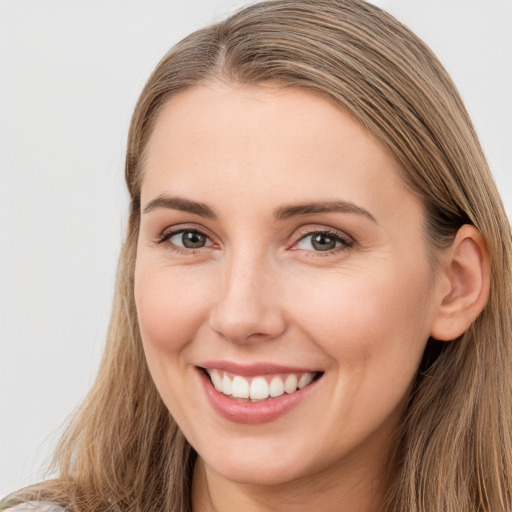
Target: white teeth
305, 379
240, 387
259, 389
216, 379
276, 387
290, 384
226, 385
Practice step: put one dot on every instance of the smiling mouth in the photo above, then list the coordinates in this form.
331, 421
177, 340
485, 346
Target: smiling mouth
261, 387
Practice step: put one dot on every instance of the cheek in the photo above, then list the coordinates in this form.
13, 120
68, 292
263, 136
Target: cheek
170, 306
170, 309
359, 315
374, 327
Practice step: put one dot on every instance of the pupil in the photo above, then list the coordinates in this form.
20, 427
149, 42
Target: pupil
193, 240
323, 242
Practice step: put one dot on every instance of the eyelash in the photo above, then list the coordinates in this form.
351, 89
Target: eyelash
345, 242
168, 234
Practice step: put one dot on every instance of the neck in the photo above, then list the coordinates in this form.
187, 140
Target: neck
359, 490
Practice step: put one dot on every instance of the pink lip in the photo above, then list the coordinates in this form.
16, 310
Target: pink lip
254, 369
251, 413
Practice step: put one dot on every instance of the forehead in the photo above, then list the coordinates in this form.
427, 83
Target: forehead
265, 141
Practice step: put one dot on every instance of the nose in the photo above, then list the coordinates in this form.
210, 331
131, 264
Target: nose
247, 306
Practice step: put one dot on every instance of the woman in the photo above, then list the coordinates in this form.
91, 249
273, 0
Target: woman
312, 305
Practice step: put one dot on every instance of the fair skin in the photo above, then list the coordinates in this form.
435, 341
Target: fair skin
344, 291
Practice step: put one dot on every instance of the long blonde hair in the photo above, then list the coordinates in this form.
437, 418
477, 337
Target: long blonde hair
123, 450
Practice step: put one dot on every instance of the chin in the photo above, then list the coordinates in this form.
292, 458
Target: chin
260, 464
257, 473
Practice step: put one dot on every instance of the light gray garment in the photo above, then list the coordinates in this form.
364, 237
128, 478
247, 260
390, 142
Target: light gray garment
33, 506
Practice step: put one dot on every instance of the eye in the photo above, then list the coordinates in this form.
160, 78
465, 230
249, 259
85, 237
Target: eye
322, 241
187, 239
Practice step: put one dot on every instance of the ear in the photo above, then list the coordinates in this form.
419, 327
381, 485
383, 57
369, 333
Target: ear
463, 284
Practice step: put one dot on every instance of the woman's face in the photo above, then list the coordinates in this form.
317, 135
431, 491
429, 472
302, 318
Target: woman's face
279, 249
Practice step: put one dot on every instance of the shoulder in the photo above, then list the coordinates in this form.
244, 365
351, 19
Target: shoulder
33, 506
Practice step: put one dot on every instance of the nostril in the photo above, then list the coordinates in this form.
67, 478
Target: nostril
246, 332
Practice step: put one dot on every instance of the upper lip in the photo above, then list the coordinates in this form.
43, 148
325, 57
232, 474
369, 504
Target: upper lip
253, 369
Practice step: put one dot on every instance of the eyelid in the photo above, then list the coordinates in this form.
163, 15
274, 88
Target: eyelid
321, 228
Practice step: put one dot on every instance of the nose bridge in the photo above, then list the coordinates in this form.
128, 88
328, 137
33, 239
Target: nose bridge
246, 308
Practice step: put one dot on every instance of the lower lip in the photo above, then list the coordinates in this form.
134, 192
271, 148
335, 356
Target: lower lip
251, 413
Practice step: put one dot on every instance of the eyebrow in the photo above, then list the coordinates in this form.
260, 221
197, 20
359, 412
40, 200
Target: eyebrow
295, 210
180, 203
281, 213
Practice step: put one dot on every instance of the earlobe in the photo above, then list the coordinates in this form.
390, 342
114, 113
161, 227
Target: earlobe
464, 287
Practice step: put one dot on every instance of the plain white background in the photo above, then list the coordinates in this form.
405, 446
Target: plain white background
70, 73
